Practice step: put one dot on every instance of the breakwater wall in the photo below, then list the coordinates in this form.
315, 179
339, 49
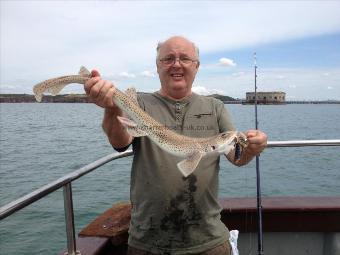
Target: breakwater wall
288, 102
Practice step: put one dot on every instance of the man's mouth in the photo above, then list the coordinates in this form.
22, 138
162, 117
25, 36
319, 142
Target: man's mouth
176, 75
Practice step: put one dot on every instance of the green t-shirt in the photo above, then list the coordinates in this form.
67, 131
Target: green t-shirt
172, 214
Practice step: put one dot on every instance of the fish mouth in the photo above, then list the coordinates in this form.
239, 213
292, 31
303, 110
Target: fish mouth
242, 139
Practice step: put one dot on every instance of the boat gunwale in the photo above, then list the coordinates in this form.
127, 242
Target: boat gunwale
305, 215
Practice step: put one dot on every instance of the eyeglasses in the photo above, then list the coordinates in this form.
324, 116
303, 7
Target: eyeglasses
171, 60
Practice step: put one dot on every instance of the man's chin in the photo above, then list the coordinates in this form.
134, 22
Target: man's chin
178, 84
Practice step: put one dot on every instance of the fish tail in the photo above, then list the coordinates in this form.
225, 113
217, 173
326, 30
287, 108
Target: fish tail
38, 93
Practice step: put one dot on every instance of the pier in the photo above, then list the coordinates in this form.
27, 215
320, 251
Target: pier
244, 102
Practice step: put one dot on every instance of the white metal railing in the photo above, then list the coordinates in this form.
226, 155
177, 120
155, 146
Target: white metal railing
66, 183
303, 143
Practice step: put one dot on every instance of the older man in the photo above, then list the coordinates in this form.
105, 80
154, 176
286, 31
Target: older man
172, 214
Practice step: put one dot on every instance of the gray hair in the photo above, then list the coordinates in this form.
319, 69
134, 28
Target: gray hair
160, 44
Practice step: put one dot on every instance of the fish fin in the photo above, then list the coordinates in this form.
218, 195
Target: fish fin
188, 165
132, 94
131, 127
56, 89
84, 72
136, 132
126, 122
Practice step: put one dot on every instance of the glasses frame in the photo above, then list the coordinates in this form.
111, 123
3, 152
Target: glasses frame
175, 59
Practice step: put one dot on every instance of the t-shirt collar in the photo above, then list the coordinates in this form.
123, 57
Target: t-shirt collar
185, 100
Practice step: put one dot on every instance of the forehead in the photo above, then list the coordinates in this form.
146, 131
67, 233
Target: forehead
177, 46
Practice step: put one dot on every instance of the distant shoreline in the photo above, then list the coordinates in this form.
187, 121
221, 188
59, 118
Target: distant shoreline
82, 98
27, 98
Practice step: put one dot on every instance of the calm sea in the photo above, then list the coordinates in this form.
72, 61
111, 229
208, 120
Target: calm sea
42, 142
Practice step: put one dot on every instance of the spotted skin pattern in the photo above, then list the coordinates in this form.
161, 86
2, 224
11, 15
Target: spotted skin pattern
55, 85
192, 149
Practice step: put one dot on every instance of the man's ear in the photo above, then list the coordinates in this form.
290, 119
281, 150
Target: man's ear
198, 64
157, 65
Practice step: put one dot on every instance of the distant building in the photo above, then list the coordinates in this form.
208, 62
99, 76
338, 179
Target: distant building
274, 97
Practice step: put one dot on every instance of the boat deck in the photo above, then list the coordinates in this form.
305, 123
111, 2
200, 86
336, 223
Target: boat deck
308, 225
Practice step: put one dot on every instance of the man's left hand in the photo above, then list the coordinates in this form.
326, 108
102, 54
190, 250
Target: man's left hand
257, 142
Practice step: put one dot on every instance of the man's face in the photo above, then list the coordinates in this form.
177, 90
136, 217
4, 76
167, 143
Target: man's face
176, 79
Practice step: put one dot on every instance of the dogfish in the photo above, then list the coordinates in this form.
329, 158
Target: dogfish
138, 123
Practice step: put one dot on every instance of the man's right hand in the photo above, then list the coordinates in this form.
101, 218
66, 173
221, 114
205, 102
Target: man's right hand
100, 91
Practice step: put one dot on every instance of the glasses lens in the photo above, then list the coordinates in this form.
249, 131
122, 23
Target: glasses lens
186, 60
168, 61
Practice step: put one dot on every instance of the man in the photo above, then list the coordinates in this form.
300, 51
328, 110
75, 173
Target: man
172, 214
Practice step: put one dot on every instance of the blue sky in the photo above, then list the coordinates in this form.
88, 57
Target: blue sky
311, 51
297, 43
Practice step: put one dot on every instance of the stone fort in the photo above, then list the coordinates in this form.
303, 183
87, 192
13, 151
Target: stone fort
274, 97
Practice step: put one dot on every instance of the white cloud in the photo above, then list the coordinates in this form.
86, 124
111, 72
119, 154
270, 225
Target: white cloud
127, 75
205, 91
147, 74
329, 87
226, 62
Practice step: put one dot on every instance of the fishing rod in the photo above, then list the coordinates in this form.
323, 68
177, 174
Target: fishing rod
258, 183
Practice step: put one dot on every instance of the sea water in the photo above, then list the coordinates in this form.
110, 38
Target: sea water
42, 142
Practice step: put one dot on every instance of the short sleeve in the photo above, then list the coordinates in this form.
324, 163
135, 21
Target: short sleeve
224, 119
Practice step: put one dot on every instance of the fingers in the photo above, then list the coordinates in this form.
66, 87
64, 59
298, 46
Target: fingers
96, 89
256, 136
108, 98
104, 93
90, 83
95, 73
257, 141
100, 91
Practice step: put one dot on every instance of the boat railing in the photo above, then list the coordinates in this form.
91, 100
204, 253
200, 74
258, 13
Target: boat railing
65, 182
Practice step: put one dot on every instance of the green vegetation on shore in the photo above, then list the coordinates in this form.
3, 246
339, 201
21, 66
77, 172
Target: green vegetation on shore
67, 98
223, 98
26, 98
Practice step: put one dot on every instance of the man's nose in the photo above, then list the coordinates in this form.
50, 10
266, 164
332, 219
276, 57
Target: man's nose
177, 62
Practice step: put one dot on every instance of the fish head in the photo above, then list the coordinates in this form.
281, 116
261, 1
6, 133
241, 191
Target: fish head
241, 139
223, 142
229, 140
240, 143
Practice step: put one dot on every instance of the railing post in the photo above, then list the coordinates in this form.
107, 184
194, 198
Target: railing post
69, 220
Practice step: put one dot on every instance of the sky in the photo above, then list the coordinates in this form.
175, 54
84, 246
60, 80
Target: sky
297, 44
